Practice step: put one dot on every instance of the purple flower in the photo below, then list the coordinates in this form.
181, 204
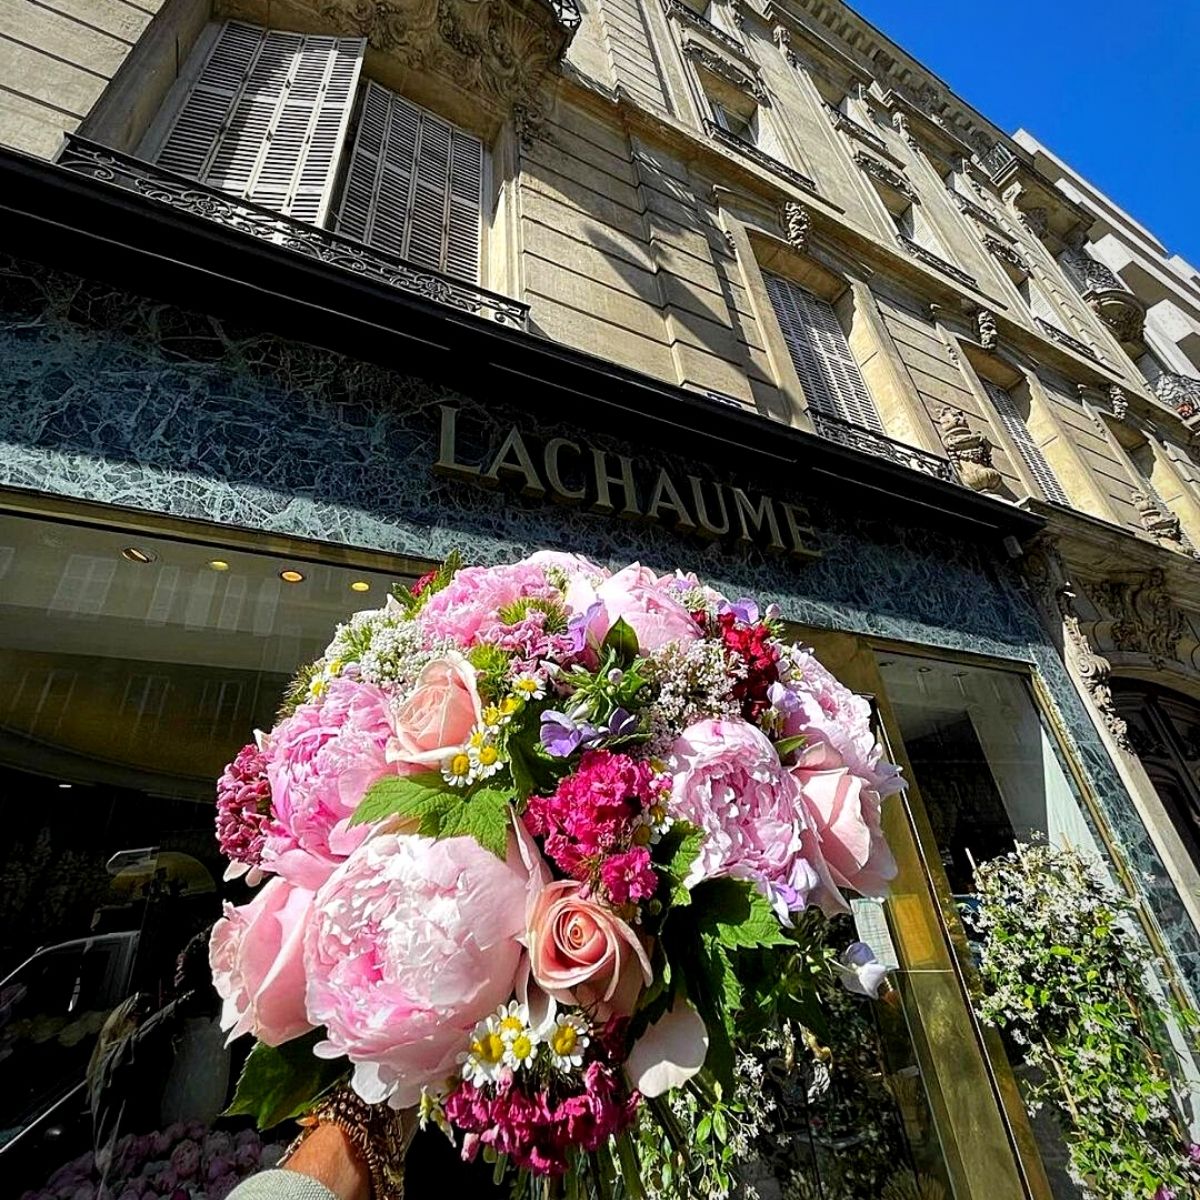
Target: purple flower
745, 610
561, 736
621, 723
1194, 1153
577, 627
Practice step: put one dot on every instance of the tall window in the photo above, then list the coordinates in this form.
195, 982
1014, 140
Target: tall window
832, 382
1031, 455
277, 118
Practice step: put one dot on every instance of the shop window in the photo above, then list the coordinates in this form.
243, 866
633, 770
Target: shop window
1014, 424
278, 118
820, 352
124, 697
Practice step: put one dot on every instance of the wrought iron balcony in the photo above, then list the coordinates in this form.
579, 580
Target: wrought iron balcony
567, 12
679, 11
749, 150
867, 440
1181, 392
1106, 294
310, 241
1065, 339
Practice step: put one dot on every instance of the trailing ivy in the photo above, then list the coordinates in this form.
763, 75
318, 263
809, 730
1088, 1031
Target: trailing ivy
1067, 979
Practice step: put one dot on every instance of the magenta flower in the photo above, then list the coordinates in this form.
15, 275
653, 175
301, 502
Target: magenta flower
628, 877
243, 810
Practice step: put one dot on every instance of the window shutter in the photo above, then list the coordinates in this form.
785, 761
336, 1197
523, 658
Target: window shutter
266, 119
1027, 448
414, 186
817, 344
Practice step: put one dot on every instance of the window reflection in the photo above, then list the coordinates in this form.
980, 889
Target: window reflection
132, 668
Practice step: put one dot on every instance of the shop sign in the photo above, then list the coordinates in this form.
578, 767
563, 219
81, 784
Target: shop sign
572, 471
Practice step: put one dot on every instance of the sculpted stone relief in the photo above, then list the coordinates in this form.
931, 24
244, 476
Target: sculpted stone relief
1139, 616
499, 49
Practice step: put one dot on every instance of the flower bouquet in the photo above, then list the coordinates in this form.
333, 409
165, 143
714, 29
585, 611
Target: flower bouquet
530, 844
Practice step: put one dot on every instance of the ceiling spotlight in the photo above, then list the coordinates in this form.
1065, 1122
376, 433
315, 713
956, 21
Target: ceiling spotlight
133, 554
291, 576
66, 785
218, 564
360, 585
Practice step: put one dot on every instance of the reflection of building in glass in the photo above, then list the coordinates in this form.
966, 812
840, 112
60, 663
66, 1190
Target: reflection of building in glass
289, 316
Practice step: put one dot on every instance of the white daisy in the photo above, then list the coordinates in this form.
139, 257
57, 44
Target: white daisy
485, 1056
521, 1050
529, 686
458, 769
567, 1041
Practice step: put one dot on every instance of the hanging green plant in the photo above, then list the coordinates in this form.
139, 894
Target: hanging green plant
1067, 979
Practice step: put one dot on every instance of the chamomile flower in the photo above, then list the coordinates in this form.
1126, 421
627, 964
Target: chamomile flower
483, 752
458, 769
521, 1050
485, 1055
529, 686
511, 1019
568, 1040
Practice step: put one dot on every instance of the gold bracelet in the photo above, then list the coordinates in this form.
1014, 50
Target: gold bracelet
380, 1134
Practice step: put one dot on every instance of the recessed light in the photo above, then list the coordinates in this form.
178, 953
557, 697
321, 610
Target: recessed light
360, 585
218, 564
291, 576
66, 785
133, 554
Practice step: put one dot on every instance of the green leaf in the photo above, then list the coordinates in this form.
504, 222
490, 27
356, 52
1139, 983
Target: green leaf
789, 745
677, 850
281, 1082
622, 641
485, 816
740, 915
404, 796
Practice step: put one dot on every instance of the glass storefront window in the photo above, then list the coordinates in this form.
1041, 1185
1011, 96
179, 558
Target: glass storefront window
133, 668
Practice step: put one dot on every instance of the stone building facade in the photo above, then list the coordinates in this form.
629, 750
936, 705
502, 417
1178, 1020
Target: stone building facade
737, 286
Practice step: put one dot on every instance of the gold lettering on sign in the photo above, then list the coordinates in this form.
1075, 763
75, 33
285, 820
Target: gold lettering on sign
603, 502
554, 447
754, 520
446, 463
666, 495
519, 465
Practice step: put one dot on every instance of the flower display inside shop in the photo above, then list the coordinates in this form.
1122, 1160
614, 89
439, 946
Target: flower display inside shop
530, 845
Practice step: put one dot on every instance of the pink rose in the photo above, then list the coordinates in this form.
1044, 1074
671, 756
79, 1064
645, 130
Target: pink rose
846, 812
437, 718
411, 943
257, 961
581, 953
635, 596
728, 781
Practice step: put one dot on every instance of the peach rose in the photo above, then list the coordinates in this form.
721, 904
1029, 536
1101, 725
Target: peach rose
438, 716
581, 953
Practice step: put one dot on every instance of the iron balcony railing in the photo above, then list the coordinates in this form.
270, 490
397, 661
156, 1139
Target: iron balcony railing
749, 150
567, 12
177, 192
1181, 392
845, 433
1063, 338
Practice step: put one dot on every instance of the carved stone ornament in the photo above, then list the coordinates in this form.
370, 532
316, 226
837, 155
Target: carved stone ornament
1036, 220
797, 225
970, 452
730, 241
902, 127
885, 174
718, 64
1141, 617
1180, 392
1119, 401
985, 322
1155, 519
501, 50
1047, 575
1005, 253
783, 40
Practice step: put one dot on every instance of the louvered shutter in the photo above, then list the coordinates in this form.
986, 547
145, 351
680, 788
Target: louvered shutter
266, 119
1027, 448
414, 185
817, 344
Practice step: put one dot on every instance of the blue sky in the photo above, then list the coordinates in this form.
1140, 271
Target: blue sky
1112, 88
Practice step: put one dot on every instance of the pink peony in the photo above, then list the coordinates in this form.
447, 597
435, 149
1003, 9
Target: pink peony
582, 953
729, 782
569, 564
412, 942
256, 955
815, 704
436, 719
467, 611
845, 811
636, 596
320, 762
243, 810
